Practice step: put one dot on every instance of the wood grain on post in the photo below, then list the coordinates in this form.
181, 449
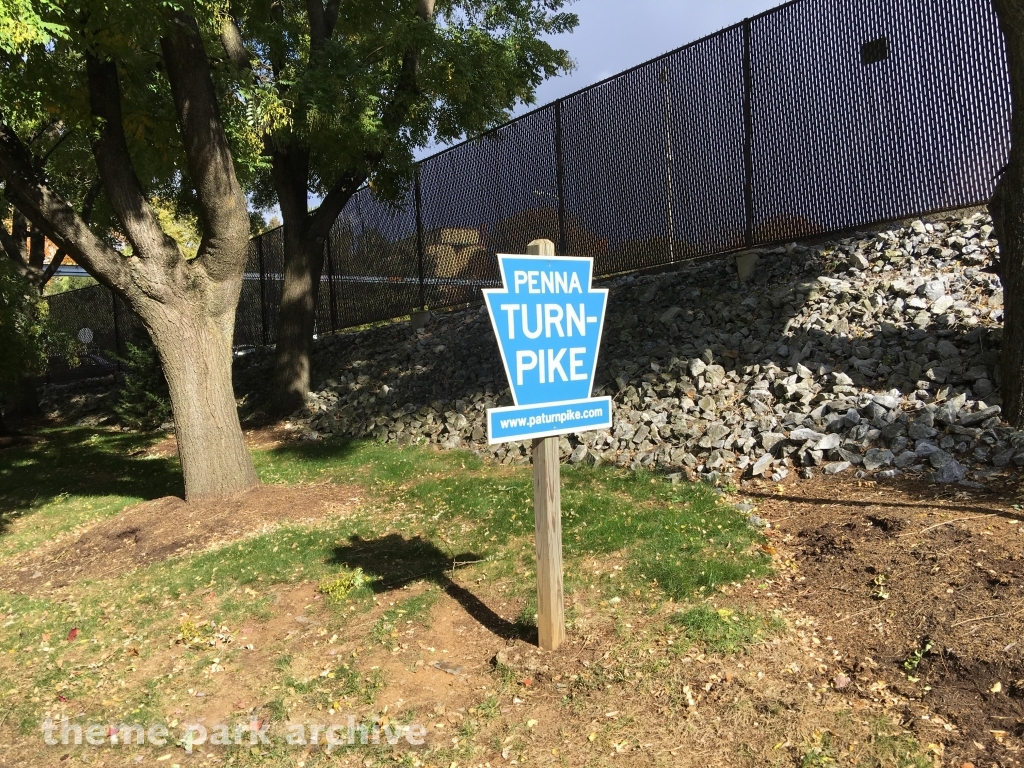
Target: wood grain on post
547, 511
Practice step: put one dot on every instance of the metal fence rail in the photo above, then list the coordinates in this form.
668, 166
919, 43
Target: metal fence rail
813, 117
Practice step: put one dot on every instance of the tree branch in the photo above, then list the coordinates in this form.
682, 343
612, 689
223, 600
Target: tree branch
331, 16
318, 34
234, 46
222, 204
58, 258
42, 159
26, 189
115, 166
52, 267
407, 88
322, 219
10, 246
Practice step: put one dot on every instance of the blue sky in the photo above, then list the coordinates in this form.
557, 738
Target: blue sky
614, 35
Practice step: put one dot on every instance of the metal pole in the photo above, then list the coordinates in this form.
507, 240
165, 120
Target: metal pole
263, 289
330, 285
748, 142
563, 246
117, 333
419, 239
668, 167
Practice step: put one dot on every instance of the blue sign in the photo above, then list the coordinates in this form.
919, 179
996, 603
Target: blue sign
548, 321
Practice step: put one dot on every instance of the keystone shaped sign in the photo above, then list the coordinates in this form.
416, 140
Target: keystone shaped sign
548, 321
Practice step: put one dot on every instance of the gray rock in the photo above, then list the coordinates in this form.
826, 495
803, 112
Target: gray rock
952, 472
876, 458
970, 419
761, 465
715, 375
858, 262
947, 349
578, 454
670, 314
983, 388
906, 459
836, 467
932, 290
918, 431
829, 442
939, 458
887, 401
889, 474
803, 435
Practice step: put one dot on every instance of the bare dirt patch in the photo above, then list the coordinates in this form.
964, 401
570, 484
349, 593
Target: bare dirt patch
921, 586
156, 530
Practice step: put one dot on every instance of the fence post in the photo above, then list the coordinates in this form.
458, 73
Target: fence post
263, 289
117, 332
560, 180
748, 141
419, 238
330, 284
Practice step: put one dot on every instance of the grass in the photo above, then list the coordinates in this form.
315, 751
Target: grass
723, 630
427, 523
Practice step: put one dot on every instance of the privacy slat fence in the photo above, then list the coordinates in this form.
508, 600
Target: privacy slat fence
814, 117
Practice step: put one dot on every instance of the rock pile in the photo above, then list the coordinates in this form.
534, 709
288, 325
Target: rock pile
877, 353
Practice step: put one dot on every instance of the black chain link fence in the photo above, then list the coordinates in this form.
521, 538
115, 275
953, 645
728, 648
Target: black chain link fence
815, 117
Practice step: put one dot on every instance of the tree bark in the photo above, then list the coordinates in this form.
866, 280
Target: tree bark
303, 267
1007, 210
195, 352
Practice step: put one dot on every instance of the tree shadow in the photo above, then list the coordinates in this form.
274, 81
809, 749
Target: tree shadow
82, 461
335, 448
398, 561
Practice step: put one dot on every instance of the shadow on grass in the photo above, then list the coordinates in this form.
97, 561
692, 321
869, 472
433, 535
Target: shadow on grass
83, 462
398, 561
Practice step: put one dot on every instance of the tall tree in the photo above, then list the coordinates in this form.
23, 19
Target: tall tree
20, 347
135, 83
1008, 216
344, 91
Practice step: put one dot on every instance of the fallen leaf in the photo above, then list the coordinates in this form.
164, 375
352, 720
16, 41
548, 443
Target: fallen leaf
72, 635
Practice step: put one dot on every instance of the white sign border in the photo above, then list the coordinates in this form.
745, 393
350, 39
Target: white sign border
553, 432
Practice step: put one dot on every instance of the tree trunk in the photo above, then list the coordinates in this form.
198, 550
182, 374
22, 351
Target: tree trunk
1007, 209
195, 352
303, 266
22, 400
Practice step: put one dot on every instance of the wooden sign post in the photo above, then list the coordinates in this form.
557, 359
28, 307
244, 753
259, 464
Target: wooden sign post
547, 513
547, 318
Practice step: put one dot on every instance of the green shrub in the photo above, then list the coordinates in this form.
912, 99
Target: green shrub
144, 401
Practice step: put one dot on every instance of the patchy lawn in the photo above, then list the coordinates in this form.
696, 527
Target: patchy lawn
396, 586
